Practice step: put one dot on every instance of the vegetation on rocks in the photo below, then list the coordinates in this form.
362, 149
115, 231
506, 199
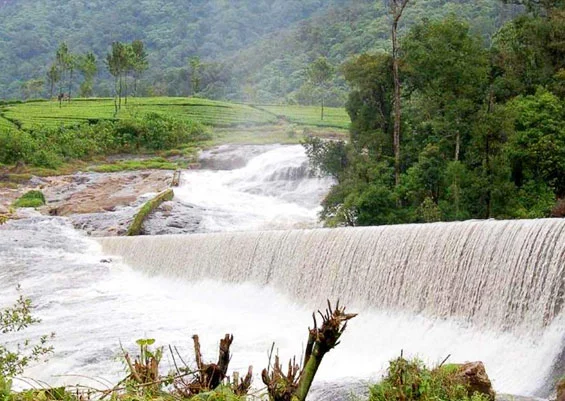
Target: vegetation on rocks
411, 380
30, 199
136, 227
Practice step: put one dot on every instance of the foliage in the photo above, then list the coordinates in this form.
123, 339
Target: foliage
50, 147
30, 199
470, 147
410, 380
14, 359
252, 49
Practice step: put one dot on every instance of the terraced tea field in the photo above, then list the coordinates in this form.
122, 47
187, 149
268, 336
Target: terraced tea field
5, 123
311, 115
209, 112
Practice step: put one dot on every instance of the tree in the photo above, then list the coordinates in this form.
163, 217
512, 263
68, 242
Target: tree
117, 63
88, 67
32, 88
195, 74
63, 60
319, 73
139, 63
537, 148
446, 69
53, 77
397, 8
543, 7
370, 104
15, 319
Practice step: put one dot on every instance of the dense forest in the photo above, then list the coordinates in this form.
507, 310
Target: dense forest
481, 125
249, 50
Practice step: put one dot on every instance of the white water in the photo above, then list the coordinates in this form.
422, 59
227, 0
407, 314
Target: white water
490, 291
93, 306
274, 190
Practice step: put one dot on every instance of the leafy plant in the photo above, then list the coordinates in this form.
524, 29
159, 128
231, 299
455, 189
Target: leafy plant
30, 199
14, 359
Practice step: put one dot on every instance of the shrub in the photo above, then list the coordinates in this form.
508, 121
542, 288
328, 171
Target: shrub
15, 146
30, 199
410, 380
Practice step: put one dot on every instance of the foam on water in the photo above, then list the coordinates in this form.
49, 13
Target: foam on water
490, 291
273, 190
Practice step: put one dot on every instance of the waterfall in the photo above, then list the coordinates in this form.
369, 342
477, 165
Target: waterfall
503, 275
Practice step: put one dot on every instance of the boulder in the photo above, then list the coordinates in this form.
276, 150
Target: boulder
474, 377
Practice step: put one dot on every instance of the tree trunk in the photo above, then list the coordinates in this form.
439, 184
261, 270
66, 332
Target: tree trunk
70, 83
116, 95
457, 145
120, 94
322, 108
397, 8
490, 108
126, 88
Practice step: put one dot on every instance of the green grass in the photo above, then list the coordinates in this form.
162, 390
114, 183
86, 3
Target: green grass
311, 115
283, 134
129, 165
208, 112
30, 199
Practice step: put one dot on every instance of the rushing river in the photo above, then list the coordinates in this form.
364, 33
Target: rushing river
96, 305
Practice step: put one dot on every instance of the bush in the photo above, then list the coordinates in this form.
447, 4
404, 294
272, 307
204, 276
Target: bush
51, 147
410, 380
30, 199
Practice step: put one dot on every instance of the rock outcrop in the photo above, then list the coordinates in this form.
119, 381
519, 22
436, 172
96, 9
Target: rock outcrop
474, 377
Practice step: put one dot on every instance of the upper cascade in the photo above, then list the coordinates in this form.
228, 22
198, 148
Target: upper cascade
502, 275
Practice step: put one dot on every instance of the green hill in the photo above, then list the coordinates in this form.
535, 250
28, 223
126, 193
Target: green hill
253, 50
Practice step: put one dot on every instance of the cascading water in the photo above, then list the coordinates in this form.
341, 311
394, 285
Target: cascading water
490, 291
268, 189
472, 283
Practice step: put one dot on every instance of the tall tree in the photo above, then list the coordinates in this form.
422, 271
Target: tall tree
397, 8
53, 77
320, 73
117, 63
88, 67
139, 62
63, 61
195, 74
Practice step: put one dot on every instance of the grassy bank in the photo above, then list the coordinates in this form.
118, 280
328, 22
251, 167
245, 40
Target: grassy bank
46, 138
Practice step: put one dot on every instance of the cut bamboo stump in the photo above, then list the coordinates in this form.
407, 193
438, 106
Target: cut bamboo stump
147, 209
176, 179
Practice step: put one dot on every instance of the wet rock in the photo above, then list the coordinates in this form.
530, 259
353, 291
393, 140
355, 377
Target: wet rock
560, 390
173, 218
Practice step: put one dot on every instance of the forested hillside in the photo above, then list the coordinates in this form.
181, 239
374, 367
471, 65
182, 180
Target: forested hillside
254, 50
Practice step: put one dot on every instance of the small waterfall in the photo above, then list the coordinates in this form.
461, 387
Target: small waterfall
500, 275
252, 188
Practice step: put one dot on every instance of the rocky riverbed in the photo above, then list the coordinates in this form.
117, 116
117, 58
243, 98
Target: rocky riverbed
98, 203
238, 187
